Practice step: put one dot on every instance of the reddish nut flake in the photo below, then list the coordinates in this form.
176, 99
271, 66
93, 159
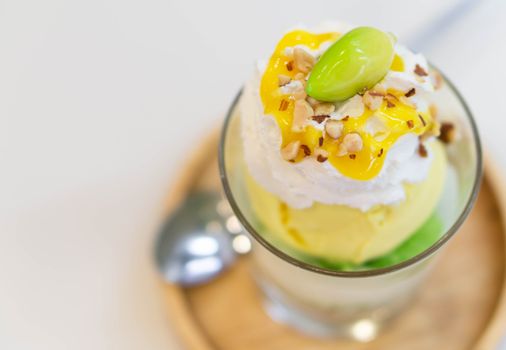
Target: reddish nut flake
422, 150
321, 158
420, 71
380, 153
411, 124
391, 99
283, 105
320, 118
306, 150
320, 141
289, 66
345, 119
422, 120
410, 93
353, 156
447, 132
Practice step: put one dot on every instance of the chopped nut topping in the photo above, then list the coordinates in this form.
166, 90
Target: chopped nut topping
334, 128
345, 119
433, 110
283, 79
410, 93
380, 153
324, 108
303, 60
352, 143
422, 120
299, 94
433, 131
437, 79
420, 71
320, 141
373, 100
447, 132
283, 105
411, 124
422, 150
391, 99
299, 76
321, 155
301, 113
306, 150
289, 66
352, 156
313, 102
290, 151
320, 118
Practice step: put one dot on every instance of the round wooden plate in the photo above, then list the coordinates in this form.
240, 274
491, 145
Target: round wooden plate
461, 305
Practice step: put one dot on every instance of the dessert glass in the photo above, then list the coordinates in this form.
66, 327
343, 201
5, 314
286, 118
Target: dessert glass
350, 304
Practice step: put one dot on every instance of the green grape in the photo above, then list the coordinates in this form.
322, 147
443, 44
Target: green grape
357, 61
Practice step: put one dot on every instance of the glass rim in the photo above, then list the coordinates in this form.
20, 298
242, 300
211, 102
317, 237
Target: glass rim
361, 273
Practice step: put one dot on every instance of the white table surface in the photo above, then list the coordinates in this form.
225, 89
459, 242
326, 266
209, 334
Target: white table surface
99, 102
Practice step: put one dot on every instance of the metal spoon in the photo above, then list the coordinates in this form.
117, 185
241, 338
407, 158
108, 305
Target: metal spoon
199, 240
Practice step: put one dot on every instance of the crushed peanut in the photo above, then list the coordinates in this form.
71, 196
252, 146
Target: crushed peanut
372, 100
334, 128
437, 79
290, 151
299, 94
302, 112
324, 108
391, 100
283, 80
313, 102
420, 71
300, 76
321, 154
303, 60
306, 150
352, 143
410, 123
447, 132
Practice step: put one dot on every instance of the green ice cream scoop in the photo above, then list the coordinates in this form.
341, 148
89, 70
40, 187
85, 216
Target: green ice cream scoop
357, 61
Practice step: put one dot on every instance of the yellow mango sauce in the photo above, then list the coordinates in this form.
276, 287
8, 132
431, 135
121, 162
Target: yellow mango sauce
363, 165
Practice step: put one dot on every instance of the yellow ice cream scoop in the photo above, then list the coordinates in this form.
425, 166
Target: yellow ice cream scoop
344, 234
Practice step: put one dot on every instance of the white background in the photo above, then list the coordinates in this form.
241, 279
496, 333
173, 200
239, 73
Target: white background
100, 101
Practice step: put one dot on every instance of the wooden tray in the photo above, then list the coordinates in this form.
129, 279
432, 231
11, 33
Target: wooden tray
461, 306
